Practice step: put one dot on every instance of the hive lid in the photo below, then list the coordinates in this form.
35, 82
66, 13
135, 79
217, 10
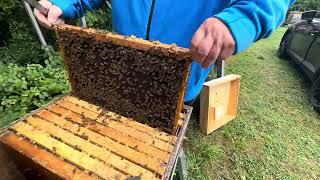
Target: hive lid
136, 78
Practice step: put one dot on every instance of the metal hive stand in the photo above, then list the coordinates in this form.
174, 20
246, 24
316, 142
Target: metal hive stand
180, 166
35, 24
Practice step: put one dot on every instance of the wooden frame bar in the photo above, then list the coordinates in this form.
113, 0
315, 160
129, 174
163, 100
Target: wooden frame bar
135, 43
218, 102
66, 143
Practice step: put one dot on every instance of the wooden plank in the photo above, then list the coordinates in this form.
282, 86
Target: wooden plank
93, 150
44, 158
222, 80
204, 112
127, 121
67, 152
131, 142
122, 150
114, 134
118, 126
218, 102
136, 134
141, 44
177, 119
62, 112
78, 109
234, 97
219, 99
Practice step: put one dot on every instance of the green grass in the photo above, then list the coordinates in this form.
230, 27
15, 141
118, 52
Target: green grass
276, 134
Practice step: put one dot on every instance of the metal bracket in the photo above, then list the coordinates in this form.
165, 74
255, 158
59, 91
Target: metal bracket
220, 68
27, 7
35, 24
83, 22
180, 167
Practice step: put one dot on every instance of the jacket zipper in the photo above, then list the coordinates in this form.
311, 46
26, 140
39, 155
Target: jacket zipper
150, 19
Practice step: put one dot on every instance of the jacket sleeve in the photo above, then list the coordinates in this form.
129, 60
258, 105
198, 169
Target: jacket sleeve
251, 20
76, 8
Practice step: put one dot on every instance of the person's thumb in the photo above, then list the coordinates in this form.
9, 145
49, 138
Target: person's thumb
54, 14
45, 3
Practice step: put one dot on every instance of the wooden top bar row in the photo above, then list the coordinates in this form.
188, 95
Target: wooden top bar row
72, 139
131, 41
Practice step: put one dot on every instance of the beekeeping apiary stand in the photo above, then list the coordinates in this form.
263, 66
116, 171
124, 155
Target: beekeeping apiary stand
106, 128
67, 140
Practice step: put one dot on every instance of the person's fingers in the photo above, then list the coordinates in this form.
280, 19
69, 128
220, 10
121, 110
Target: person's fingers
213, 54
225, 52
212, 41
196, 39
54, 14
60, 21
45, 3
228, 49
204, 47
42, 19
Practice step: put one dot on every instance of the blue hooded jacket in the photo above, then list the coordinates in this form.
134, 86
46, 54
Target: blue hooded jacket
175, 21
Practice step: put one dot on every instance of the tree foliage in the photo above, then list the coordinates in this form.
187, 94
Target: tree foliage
24, 88
306, 5
31, 76
100, 18
18, 41
7, 8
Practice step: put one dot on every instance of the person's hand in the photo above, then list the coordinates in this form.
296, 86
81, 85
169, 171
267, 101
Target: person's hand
54, 15
212, 41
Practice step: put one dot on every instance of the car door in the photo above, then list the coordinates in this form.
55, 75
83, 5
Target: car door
312, 61
301, 41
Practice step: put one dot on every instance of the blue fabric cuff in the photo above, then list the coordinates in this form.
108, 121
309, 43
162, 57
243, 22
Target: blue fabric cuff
241, 27
66, 7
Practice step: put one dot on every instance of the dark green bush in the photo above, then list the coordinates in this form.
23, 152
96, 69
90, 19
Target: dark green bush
22, 46
305, 5
100, 18
29, 75
24, 88
8, 8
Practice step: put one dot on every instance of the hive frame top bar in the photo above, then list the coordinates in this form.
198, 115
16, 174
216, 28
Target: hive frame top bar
168, 169
132, 42
140, 44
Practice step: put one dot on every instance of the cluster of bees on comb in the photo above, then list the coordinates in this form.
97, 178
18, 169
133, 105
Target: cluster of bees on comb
138, 84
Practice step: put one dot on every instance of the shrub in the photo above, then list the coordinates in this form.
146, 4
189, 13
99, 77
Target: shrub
30, 76
22, 46
100, 18
24, 88
305, 5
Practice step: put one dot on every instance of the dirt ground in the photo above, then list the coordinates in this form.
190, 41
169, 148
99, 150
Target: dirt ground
8, 169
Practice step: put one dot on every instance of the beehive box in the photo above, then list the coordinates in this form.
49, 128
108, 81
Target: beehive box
111, 126
133, 77
73, 139
219, 102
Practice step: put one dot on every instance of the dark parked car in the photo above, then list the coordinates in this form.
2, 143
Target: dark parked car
301, 43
